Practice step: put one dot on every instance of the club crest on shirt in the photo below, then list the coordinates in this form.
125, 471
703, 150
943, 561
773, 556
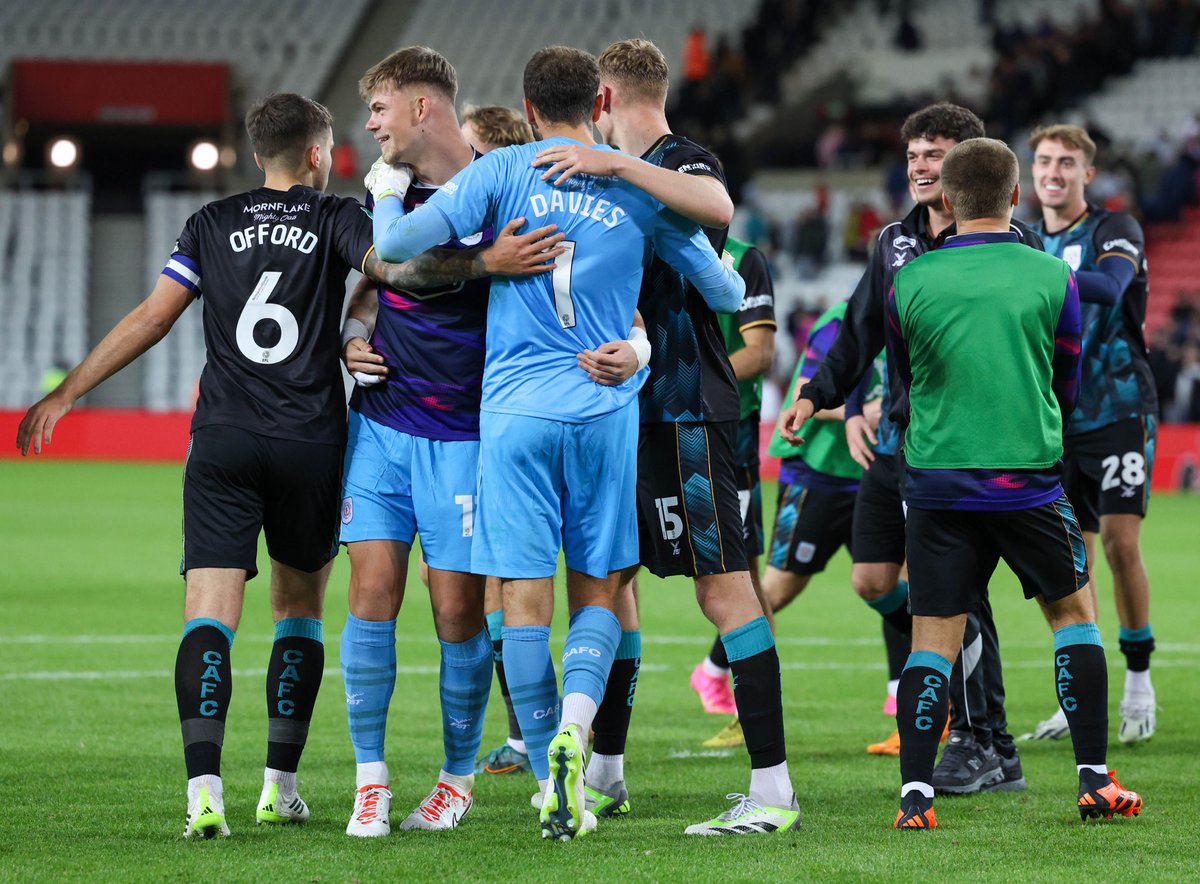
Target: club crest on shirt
1073, 255
347, 510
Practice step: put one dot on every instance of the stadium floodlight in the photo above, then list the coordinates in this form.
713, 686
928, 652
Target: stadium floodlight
64, 153
204, 156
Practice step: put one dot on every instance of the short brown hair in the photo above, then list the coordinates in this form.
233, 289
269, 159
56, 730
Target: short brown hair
285, 124
978, 177
1070, 137
412, 65
498, 126
942, 120
637, 67
562, 83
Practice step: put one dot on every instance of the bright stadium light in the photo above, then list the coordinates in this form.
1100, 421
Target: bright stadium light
63, 153
204, 156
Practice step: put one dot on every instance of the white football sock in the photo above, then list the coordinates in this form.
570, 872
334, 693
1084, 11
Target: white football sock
1138, 683
893, 686
605, 770
461, 784
578, 709
712, 669
285, 779
211, 782
771, 786
371, 773
518, 745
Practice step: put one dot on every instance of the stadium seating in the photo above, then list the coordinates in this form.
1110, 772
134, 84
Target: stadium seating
955, 48
174, 365
287, 45
1159, 98
44, 254
489, 43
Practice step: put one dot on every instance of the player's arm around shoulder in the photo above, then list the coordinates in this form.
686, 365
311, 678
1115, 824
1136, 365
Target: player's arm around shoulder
140, 329
700, 198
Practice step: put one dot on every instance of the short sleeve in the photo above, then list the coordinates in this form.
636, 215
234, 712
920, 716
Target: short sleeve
692, 159
184, 264
758, 307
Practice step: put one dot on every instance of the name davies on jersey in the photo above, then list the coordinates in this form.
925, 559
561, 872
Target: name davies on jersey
576, 203
276, 234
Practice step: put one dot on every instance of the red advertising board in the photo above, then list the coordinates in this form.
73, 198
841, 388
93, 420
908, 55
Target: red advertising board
125, 93
127, 434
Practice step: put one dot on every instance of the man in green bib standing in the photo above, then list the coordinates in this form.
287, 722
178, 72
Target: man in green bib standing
985, 334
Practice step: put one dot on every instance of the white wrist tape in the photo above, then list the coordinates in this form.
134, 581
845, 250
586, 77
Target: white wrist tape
641, 346
355, 328
366, 380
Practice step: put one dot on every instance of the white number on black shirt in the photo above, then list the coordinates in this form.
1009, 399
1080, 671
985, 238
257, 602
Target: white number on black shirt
256, 310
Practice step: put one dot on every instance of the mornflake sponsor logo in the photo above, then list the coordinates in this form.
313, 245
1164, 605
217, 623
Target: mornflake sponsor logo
1120, 244
276, 207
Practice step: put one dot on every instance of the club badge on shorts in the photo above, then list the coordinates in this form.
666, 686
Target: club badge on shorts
347, 510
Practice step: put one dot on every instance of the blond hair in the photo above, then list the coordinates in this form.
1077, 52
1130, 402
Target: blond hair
498, 126
1070, 137
412, 65
637, 67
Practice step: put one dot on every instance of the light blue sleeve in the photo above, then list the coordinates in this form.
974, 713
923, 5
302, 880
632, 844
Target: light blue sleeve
468, 200
399, 237
683, 245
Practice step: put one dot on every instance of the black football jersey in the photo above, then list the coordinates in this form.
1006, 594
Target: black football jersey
690, 375
271, 267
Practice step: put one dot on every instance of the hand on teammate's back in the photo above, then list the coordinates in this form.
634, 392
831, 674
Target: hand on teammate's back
569, 160
363, 362
610, 364
525, 254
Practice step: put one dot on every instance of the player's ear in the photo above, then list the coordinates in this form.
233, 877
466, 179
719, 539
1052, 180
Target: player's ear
597, 107
946, 203
1016, 197
529, 113
1089, 175
258, 162
606, 95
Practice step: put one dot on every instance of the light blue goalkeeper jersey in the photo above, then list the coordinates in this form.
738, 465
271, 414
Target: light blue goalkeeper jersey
537, 325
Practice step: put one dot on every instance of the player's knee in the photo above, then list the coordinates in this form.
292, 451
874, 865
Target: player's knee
1122, 549
868, 586
780, 588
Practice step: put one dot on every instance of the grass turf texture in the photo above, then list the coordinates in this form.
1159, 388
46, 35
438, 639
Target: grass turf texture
92, 778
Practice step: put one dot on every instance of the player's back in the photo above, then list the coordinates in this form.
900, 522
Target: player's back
271, 269
537, 325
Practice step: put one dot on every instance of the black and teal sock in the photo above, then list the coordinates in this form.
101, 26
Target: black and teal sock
495, 626
893, 608
717, 655
203, 688
1081, 683
611, 724
757, 691
898, 646
1137, 645
921, 704
293, 679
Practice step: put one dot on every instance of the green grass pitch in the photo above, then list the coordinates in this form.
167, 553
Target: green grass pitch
92, 779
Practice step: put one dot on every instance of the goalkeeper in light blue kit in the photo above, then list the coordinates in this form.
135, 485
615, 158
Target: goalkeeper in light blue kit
558, 451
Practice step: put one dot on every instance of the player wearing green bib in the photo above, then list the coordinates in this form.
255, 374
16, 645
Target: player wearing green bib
984, 334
